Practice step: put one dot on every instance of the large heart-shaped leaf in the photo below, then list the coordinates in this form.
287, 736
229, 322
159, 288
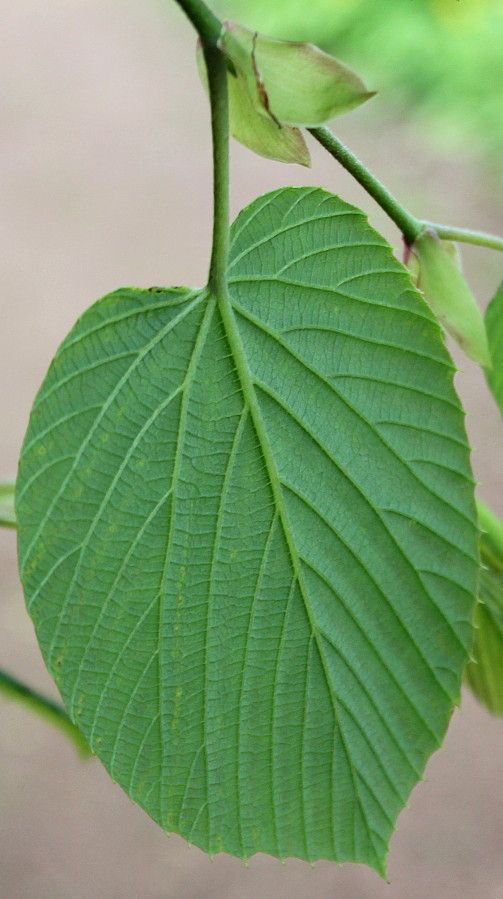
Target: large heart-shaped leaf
248, 538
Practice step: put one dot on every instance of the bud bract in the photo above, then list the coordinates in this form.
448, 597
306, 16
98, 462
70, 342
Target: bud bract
257, 132
447, 293
294, 83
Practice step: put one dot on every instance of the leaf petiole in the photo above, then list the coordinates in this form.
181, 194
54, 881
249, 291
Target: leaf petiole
207, 25
465, 235
408, 225
209, 28
45, 707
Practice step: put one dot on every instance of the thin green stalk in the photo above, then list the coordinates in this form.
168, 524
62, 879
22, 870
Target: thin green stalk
465, 235
7, 514
209, 28
7, 522
43, 706
408, 225
203, 19
217, 79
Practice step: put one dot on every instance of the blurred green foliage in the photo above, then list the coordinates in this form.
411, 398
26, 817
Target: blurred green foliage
438, 63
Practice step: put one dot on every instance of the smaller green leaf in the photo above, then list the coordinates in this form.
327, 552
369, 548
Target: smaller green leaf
494, 326
448, 294
261, 134
7, 513
484, 673
292, 83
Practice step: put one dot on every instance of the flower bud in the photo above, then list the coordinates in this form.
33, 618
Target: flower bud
292, 83
257, 132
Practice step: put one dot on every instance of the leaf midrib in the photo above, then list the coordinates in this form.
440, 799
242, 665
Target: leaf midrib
247, 386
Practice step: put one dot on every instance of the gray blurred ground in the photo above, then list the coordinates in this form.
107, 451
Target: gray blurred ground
105, 181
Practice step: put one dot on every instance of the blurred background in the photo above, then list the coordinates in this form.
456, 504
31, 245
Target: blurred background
106, 181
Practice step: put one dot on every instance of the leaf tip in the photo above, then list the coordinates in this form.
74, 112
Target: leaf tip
381, 866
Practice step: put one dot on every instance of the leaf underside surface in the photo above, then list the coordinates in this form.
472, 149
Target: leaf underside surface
484, 674
248, 538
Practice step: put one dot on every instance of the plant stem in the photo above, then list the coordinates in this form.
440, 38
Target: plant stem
465, 235
203, 19
6, 522
7, 514
43, 706
408, 225
209, 28
217, 79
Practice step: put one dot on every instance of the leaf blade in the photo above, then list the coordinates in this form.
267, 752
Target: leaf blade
262, 641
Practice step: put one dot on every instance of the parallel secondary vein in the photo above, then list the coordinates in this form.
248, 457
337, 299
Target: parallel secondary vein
238, 434
80, 372
270, 236
359, 489
146, 309
161, 334
248, 388
106, 499
334, 293
110, 593
191, 370
256, 592
331, 387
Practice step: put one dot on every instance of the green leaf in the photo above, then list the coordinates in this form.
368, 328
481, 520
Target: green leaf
494, 327
448, 294
292, 83
7, 514
484, 673
248, 538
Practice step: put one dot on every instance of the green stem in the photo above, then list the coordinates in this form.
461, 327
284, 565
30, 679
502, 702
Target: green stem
408, 225
217, 79
42, 705
6, 522
7, 514
209, 28
204, 21
465, 235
